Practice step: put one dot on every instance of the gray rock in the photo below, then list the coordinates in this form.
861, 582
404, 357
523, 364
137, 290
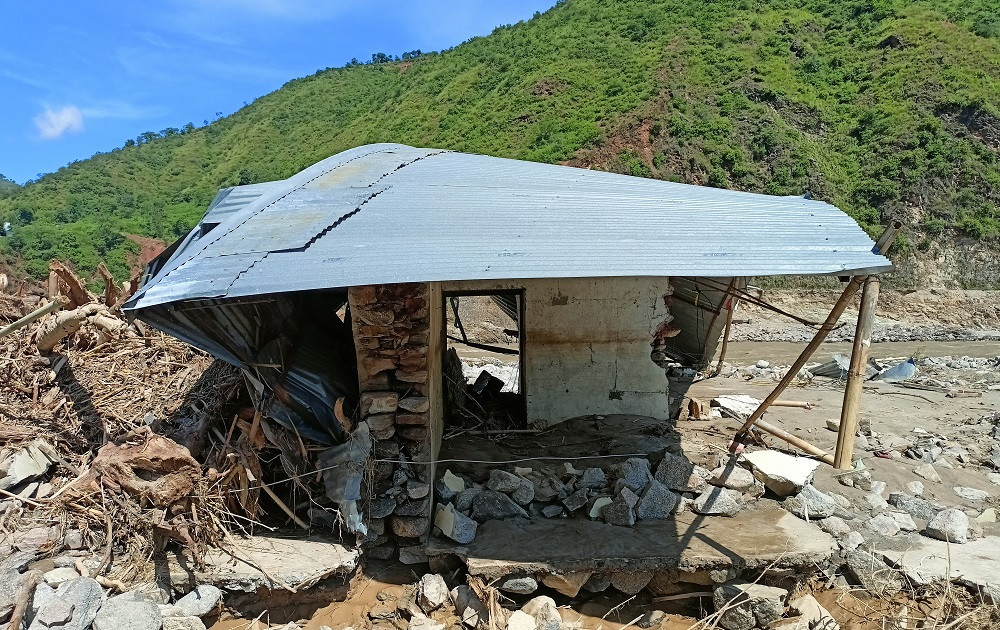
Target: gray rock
783, 474
674, 471
594, 478
927, 472
749, 605
576, 500
635, 473
73, 539
620, 511
652, 619
951, 525
543, 609
520, 620
129, 611
875, 503
454, 524
28, 463
878, 487
183, 623
915, 488
83, 593
552, 511
492, 505
883, 524
810, 504
903, 521
872, 573
55, 577
851, 541
914, 506
720, 501
549, 488
200, 601
432, 592
835, 526
631, 582
971, 494
657, 502
733, 477
414, 554
524, 585
464, 499
503, 481
417, 489
598, 583
524, 493
469, 608
58, 612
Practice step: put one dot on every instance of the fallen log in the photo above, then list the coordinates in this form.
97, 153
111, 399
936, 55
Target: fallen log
78, 293
58, 328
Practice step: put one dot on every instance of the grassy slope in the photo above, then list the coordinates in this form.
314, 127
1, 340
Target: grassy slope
778, 96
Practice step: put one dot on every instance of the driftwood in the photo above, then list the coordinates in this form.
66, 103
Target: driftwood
31, 580
57, 328
78, 293
112, 292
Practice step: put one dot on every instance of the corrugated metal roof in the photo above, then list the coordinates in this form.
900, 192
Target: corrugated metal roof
231, 200
389, 213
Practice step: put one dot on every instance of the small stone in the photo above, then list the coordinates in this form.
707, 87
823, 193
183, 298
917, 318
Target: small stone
422, 622
83, 593
734, 478
950, 525
598, 583
674, 471
201, 601
464, 499
382, 612
520, 620
927, 472
718, 501
417, 489
652, 619
469, 608
454, 524
183, 623
568, 584
915, 488
524, 585
989, 515
883, 524
598, 506
810, 503
593, 478
503, 481
492, 505
814, 615
635, 473
748, 605
762, 364
851, 541
524, 493
993, 478
73, 539
552, 511
568, 470
432, 592
971, 494
410, 526
833, 424
657, 502
619, 512
903, 521
55, 577
914, 506
835, 526
449, 485
878, 488
872, 573
56, 612
576, 500
543, 610
875, 503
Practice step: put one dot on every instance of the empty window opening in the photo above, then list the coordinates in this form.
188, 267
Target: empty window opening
484, 360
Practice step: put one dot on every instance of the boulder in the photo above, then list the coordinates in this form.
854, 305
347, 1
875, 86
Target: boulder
718, 501
810, 504
454, 524
950, 525
464, 499
432, 592
872, 573
129, 611
781, 473
491, 505
657, 502
674, 471
55, 577
199, 602
83, 594
749, 604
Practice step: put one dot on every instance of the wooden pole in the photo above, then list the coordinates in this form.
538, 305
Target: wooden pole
725, 335
795, 441
821, 334
844, 458
32, 316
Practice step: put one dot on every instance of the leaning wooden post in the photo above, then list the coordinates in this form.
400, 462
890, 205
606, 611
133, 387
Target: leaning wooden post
844, 457
821, 334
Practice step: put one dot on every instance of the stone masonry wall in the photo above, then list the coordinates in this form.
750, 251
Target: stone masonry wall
391, 326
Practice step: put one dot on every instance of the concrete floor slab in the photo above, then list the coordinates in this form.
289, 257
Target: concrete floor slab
974, 563
270, 562
753, 539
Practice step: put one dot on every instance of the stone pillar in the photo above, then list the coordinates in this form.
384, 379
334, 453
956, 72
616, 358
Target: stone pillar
391, 326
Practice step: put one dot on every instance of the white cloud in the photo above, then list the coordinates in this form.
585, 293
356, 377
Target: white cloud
55, 123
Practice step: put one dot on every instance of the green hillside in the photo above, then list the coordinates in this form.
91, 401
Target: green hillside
886, 108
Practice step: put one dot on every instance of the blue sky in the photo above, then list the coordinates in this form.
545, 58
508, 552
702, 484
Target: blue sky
78, 77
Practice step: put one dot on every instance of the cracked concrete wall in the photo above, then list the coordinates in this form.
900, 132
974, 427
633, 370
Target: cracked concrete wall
587, 345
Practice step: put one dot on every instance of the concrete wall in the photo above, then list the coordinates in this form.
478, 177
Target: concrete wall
587, 345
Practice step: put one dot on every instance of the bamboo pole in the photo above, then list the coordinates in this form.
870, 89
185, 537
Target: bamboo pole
844, 458
725, 335
54, 305
821, 335
795, 441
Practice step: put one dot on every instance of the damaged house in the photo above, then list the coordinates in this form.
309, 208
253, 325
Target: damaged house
350, 295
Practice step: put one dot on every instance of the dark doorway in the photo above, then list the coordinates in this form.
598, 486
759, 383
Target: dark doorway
484, 360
